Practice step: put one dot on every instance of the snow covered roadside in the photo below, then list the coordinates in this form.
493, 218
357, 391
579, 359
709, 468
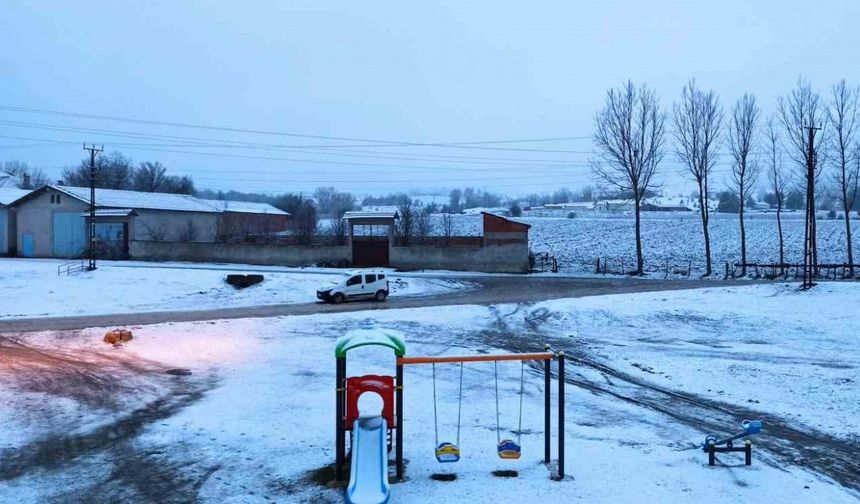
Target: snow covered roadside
263, 428
32, 288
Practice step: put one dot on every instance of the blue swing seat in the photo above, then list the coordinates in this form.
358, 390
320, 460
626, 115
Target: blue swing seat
447, 452
508, 449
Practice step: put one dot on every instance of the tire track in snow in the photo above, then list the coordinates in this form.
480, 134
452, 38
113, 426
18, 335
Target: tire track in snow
825, 455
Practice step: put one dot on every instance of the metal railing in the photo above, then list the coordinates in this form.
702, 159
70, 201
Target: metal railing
71, 267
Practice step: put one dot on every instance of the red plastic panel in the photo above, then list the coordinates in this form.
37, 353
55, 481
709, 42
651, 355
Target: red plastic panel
357, 385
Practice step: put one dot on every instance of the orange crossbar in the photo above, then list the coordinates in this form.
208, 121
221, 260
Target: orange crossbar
475, 358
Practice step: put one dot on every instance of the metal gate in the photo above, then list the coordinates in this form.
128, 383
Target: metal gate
69, 234
370, 250
111, 242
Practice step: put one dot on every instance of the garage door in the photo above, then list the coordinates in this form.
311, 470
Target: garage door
69, 234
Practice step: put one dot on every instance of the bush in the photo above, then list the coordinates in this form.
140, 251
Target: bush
571, 215
831, 214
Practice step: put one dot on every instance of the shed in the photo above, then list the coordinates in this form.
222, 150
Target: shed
8, 240
499, 230
244, 218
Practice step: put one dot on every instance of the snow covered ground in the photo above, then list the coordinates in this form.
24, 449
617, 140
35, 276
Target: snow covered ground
254, 422
32, 287
676, 237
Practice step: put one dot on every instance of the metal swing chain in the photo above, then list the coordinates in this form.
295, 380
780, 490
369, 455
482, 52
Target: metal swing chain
520, 426
496, 379
435, 417
459, 404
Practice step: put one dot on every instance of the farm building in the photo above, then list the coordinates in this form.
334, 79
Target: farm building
52, 220
8, 241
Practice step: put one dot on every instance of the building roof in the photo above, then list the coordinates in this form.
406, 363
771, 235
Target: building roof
245, 207
8, 195
370, 215
110, 212
507, 219
116, 198
9, 181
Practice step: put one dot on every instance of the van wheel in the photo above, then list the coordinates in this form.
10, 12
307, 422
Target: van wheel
380, 295
337, 298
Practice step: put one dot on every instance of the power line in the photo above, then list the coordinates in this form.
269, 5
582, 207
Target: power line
392, 143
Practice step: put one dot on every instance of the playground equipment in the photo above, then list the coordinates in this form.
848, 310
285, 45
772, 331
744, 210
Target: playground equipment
506, 448
371, 437
714, 444
447, 452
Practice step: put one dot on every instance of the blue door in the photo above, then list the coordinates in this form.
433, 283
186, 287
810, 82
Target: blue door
69, 234
4, 232
27, 245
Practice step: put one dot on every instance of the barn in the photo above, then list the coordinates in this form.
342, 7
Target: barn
52, 220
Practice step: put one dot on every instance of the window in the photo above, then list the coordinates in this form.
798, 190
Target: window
58, 199
382, 277
52, 199
369, 278
356, 280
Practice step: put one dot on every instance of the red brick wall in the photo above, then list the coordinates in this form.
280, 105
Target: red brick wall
495, 224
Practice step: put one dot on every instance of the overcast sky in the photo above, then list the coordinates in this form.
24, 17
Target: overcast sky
408, 72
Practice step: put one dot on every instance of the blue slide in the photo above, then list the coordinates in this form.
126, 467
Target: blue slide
368, 477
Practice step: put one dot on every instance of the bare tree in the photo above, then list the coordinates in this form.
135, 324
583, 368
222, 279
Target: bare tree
778, 179
406, 224
423, 224
447, 228
149, 177
629, 140
745, 167
799, 110
844, 149
698, 124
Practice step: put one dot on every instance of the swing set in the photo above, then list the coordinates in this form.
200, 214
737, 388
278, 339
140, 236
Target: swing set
447, 452
391, 389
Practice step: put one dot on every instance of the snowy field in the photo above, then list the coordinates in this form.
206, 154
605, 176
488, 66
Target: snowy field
648, 376
33, 288
676, 237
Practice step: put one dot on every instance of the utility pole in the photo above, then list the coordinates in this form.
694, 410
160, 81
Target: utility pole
810, 252
91, 253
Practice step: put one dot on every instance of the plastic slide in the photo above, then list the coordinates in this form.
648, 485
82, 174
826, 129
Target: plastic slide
368, 478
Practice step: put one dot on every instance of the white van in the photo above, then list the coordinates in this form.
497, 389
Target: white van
357, 285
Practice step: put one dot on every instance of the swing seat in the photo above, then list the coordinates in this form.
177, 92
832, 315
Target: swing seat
447, 452
508, 449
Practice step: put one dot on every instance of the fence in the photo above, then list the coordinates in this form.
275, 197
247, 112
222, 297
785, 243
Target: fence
788, 270
627, 266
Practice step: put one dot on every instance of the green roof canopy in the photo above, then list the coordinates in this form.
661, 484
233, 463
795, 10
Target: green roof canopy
366, 337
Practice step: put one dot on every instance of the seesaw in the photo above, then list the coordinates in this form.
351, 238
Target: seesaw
714, 444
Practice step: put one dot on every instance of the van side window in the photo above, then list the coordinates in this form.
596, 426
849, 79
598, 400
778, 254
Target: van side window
354, 280
369, 278
382, 277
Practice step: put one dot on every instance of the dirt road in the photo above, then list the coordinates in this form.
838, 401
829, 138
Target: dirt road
490, 290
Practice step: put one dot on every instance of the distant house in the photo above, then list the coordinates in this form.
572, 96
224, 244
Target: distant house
52, 220
761, 206
8, 240
654, 207
614, 205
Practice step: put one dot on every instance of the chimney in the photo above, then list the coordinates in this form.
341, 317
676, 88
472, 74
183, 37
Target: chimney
26, 184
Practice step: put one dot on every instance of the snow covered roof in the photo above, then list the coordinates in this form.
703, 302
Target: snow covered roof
116, 198
245, 207
370, 215
9, 181
110, 212
8, 195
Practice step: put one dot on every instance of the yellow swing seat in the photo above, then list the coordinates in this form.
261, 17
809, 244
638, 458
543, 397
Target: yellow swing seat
447, 452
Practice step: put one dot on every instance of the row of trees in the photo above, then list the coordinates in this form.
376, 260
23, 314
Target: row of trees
631, 139
116, 171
